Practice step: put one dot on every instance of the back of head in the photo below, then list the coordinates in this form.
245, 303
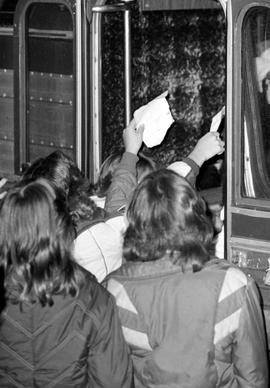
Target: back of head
58, 168
144, 166
167, 216
36, 235
106, 172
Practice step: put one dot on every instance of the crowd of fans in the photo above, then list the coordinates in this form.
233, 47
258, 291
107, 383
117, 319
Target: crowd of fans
117, 284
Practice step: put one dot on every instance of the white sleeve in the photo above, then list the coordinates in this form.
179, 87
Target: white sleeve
180, 168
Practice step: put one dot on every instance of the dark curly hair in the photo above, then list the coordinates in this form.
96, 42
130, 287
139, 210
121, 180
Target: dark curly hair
167, 216
36, 236
60, 170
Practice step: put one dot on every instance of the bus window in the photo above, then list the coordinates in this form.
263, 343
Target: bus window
256, 108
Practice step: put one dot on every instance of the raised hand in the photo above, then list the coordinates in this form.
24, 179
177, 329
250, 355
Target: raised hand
133, 137
207, 146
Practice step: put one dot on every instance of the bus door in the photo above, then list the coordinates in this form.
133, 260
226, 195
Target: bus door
140, 10
248, 142
96, 11
50, 74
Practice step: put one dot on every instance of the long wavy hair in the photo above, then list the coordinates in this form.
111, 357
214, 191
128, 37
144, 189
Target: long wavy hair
36, 236
167, 216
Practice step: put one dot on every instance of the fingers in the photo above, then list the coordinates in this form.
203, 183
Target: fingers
133, 137
220, 144
140, 129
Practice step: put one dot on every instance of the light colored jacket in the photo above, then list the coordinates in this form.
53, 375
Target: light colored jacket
191, 330
98, 246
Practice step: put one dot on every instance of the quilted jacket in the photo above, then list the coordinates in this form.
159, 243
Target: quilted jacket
77, 342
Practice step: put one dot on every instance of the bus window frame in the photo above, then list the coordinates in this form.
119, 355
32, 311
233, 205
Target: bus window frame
235, 118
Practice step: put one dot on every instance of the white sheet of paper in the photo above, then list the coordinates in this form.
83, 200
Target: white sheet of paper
216, 120
156, 118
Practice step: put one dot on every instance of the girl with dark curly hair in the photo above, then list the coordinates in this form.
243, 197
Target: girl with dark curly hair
59, 327
191, 321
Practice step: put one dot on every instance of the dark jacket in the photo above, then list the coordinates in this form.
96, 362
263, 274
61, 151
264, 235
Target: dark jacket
191, 330
77, 342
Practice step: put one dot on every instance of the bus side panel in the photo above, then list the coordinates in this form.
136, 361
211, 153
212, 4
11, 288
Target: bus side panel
6, 122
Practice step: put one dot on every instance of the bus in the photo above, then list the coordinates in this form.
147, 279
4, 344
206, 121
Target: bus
73, 71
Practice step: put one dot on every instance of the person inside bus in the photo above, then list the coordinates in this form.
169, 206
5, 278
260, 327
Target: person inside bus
189, 320
59, 327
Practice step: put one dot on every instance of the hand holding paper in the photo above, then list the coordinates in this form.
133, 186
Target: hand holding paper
133, 137
156, 119
207, 146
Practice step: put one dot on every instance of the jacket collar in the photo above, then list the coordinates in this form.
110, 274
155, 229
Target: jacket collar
148, 268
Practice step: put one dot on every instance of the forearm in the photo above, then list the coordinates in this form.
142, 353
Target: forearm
123, 183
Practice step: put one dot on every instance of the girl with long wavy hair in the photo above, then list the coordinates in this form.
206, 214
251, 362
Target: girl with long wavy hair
59, 327
190, 320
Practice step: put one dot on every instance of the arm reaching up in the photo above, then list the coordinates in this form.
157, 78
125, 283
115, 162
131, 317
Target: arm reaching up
125, 180
133, 138
207, 146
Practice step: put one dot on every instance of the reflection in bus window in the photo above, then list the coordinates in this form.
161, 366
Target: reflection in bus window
256, 98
